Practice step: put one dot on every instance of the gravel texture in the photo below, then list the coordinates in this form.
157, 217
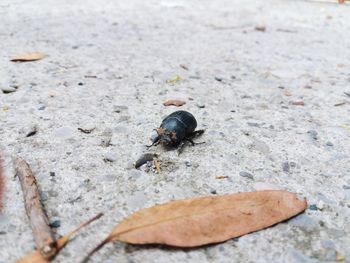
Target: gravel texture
262, 77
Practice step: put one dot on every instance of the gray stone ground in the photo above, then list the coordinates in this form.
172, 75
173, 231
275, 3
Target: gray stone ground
254, 133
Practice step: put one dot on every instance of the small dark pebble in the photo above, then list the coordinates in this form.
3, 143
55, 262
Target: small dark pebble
246, 174
213, 192
329, 144
55, 224
218, 79
8, 90
41, 107
281, 87
346, 187
313, 207
313, 134
52, 174
3, 233
31, 133
80, 83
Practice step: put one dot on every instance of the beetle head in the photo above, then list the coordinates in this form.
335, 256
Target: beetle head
166, 137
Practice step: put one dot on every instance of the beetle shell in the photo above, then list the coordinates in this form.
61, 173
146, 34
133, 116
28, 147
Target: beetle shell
176, 127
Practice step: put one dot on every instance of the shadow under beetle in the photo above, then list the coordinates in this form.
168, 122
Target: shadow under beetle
177, 129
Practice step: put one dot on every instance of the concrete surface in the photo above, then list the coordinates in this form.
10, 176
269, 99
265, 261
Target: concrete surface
254, 133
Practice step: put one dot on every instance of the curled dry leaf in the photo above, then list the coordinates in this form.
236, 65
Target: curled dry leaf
176, 103
201, 221
29, 57
41, 256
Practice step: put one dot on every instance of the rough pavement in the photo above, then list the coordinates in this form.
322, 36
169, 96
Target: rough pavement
263, 79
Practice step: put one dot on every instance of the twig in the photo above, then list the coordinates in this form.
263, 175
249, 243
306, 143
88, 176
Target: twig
40, 255
38, 219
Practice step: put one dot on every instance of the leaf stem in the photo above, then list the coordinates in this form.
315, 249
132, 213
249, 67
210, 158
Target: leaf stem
97, 248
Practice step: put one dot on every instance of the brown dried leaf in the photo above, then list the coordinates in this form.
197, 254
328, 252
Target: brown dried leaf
29, 57
201, 221
40, 255
176, 103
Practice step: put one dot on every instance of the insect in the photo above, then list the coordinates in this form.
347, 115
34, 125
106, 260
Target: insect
176, 129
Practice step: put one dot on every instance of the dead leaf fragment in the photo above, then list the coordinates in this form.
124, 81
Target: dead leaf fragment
29, 57
177, 103
200, 221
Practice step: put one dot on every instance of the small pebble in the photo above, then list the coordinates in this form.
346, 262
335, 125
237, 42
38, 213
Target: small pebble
246, 174
329, 144
200, 105
8, 90
110, 157
218, 79
55, 224
313, 207
188, 164
31, 131
213, 192
41, 107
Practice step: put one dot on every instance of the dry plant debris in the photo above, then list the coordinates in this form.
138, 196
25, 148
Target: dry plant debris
45, 254
200, 221
48, 247
177, 103
28, 57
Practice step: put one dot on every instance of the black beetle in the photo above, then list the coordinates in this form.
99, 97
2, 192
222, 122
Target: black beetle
177, 128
